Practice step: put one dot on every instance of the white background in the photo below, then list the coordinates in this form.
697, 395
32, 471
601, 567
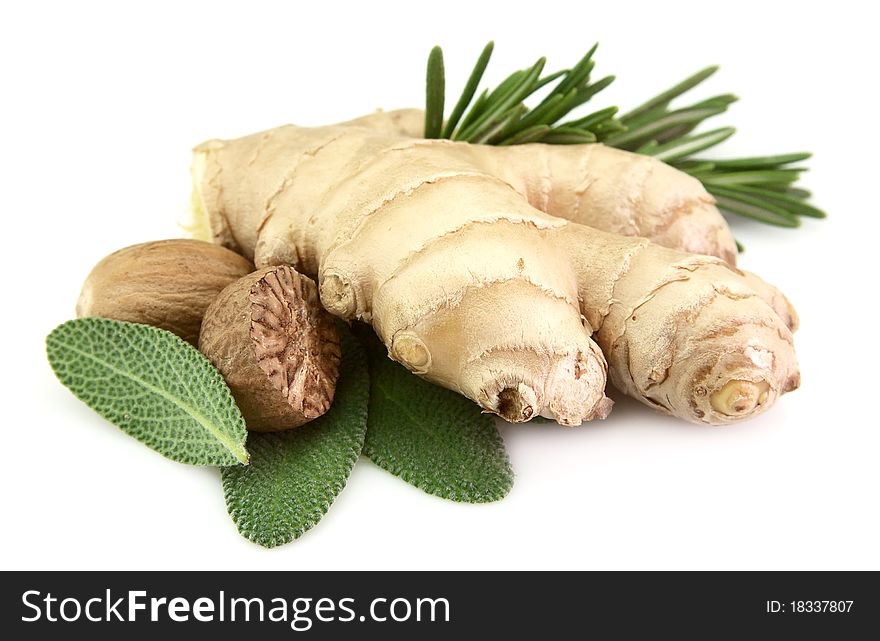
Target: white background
100, 106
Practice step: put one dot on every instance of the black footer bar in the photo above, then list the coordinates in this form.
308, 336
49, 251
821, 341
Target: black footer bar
429, 605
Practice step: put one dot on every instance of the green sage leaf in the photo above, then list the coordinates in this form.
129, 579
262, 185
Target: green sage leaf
431, 437
153, 385
294, 476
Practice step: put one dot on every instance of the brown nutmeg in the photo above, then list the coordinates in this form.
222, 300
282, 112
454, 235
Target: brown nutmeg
275, 345
166, 283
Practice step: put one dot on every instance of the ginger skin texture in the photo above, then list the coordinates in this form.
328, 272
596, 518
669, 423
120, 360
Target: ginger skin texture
612, 190
599, 186
453, 253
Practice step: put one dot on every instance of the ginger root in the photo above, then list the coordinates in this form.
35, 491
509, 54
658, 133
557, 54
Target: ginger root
472, 282
606, 188
609, 189
683, 333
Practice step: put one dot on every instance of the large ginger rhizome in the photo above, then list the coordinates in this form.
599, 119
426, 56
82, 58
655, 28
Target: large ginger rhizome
464, 261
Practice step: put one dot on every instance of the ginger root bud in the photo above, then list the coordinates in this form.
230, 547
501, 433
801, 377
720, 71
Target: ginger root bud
738, 397
166, 283
276, 347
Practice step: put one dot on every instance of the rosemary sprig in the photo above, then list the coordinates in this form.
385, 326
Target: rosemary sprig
761, 188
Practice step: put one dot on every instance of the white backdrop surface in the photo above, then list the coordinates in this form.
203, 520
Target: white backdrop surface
101, 104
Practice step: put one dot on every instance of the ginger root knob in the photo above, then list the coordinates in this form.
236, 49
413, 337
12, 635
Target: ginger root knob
738, 398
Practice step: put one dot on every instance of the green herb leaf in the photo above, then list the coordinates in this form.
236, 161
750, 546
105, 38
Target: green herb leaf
686, 119
512, 115
688, 145
152, 385
535, 117
762, 162
568, 136
764, 185
793, 202
435, 89
512, 94
607, 129
550, 77
580, 73
532, 134
469, 90
724, 100
585, 94
295, 475
763, 212
595, 118
756, 177
431, 437
664, 98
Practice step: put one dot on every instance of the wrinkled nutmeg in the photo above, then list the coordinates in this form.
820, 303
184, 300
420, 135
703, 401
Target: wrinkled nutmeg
166, 283
275, 345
